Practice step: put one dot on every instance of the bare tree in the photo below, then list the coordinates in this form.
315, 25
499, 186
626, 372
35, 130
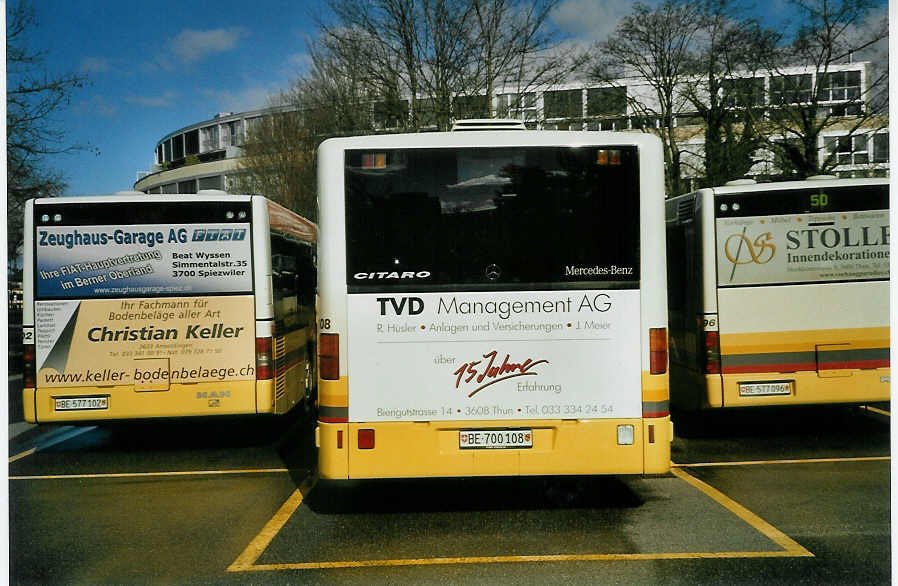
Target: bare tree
800, 101
515, 48
33, 97
447, 57
279, 161
652, 48
729, 89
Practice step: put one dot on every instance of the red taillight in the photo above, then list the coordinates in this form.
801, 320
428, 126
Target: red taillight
329, 356
263, 358
28, 373
712, 353
339, 439
366, 439
657, 350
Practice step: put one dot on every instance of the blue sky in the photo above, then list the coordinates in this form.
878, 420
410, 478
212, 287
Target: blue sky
155, 67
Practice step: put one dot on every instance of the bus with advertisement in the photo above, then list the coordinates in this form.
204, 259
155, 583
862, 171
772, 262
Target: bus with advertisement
149, 306
779, 293
492, 303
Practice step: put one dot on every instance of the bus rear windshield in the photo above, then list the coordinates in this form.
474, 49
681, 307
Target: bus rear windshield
142, 249
492, 218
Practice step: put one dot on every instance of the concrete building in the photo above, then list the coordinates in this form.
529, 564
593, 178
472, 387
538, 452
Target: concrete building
205, 155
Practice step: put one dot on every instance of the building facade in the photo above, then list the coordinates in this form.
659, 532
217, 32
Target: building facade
205, 155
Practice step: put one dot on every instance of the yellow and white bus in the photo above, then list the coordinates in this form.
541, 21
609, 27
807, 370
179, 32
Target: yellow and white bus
779, 293
140, 306
492, 303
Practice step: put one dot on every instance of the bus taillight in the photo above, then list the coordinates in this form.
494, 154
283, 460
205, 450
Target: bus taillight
263, 358
28, 373
329, 356
657, 350
712, 353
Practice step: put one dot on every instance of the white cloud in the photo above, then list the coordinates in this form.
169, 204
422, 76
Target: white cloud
590, 20
97, 106
93, 65
164, 101
249, 98
190, 46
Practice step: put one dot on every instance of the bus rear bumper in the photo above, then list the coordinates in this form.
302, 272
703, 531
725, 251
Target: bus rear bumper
431, 449
807, 388
123, 402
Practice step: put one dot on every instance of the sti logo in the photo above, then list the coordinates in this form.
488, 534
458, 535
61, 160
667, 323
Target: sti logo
218, 234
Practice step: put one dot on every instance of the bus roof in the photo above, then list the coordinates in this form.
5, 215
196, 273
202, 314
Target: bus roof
805, 184
490, 138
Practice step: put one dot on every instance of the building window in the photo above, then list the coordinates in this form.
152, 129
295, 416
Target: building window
178, 147
211, 183
849, 150
689, 120
235, 133
192, 142
470, 107
607, 124
167, 150
159, 155
210, 138
643, 122
606, 101
790, 89
170, 188
187, 186
838, 86
743, 92
881, 147
563, 104
517, 106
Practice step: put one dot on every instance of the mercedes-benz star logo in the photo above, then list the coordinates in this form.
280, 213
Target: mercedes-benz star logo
493, 272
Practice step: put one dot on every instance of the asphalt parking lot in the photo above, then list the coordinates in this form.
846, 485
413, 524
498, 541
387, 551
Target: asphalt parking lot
784, 496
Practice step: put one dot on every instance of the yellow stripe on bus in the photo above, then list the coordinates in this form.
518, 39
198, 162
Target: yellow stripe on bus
799, 340
334, 393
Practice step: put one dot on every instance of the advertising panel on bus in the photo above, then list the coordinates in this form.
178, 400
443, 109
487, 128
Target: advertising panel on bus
99, 319
514, 355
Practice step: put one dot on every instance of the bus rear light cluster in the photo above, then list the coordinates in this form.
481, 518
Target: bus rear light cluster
329, 356
263, 359
712, 353
28, 373
366, 439
657, 350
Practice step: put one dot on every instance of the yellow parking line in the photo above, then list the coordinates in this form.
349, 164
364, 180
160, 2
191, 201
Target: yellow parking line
787, 543
245, 562
258, 545
148, 474
22, 455
764, 462
516, 559
876, 410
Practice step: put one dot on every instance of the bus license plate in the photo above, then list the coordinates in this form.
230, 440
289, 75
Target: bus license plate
762, 389
494, 439
82, 403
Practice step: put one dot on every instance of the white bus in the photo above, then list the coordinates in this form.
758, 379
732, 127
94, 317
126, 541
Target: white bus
141, 306
492, 303
779, 293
